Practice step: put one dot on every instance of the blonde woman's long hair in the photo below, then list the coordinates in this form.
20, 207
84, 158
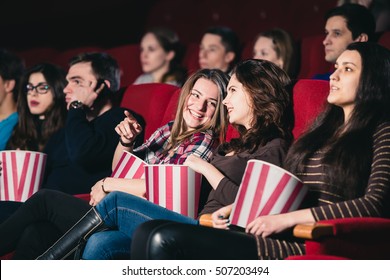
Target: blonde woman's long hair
218, 122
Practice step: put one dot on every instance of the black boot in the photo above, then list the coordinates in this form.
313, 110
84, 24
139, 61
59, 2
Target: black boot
90, 223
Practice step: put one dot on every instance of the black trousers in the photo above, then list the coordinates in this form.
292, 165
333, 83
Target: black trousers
163, 240
38, 222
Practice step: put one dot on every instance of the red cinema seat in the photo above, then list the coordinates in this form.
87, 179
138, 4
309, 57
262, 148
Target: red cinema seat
364, 238
384, 39
150, 101
129, 62
309, 98
313, 57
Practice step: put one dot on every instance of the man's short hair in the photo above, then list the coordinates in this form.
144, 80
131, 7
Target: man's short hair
359, 19
11, 68
229, 40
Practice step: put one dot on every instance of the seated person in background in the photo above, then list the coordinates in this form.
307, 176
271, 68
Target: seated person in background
343, 159
220, 48
345, 24
276, 45
41, 107
11, 71
161, 56
258, 104
81, 153
200, 124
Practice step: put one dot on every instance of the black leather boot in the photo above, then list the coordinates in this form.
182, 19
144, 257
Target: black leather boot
91, 222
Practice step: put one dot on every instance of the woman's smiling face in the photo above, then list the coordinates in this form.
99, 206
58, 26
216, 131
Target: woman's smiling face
201, 103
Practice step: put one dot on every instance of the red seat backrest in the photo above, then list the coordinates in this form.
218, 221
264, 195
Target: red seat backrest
129, 62
37, 55
309, 98
170, 111
191, 57
384, 39
150, 101
313, 57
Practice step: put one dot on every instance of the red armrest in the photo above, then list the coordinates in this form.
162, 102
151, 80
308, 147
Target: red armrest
353, 238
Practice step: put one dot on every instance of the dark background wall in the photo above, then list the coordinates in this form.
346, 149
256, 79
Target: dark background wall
71, 23
74, 23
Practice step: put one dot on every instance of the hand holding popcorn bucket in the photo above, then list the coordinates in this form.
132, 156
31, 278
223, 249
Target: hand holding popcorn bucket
266, 189
21, 175
175, 187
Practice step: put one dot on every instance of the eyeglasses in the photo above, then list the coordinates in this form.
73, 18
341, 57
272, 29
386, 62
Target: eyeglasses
39, 88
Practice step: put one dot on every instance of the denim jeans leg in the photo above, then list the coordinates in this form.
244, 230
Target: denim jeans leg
124, 213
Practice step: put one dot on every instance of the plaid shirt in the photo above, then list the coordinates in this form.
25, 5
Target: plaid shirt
201, 144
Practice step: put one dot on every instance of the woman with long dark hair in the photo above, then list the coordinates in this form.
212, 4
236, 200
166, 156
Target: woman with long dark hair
41, 107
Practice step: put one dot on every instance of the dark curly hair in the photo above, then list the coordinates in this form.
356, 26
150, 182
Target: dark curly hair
268, 88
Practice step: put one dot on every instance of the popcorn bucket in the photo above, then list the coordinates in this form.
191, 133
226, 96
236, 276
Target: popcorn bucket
129, 166
266, 189
22, 174
175, 187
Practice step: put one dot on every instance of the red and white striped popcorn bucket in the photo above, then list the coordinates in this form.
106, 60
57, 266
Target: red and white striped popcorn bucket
129, 166
22, 174
175, 187
266, 189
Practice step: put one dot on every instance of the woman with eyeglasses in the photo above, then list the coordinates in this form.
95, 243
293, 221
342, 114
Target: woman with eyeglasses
42, 112
41, 107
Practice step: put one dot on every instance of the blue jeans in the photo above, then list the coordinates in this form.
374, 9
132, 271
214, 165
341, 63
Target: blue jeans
123, 213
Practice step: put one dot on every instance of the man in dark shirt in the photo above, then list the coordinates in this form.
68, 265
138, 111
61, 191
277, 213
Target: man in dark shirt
344, 25
81, 153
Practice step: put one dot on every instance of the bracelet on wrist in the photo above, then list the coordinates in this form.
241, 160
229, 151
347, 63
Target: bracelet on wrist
103, 186
131, 144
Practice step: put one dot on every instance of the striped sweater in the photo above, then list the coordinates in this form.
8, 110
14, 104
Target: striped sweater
374, 203
376, 200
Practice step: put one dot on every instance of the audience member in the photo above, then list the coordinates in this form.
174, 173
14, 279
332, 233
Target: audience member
161, 56
257, 103
220, 48
343, 159
199, 125
345, 24
276, 45
41, 107
11, 71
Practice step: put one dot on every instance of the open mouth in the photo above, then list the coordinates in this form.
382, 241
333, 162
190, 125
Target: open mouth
34, 103
196, 115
